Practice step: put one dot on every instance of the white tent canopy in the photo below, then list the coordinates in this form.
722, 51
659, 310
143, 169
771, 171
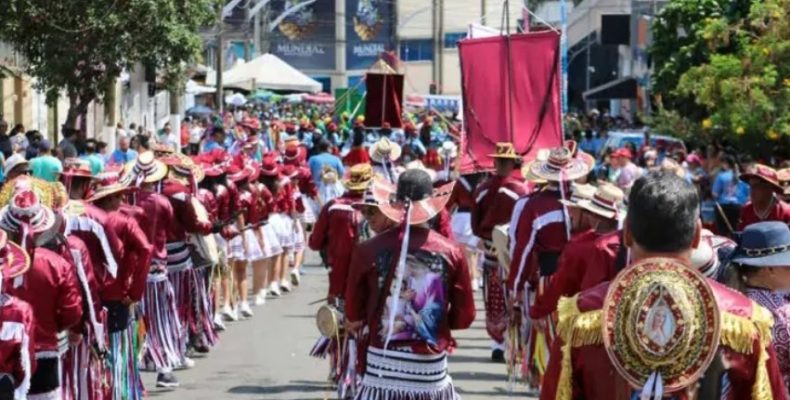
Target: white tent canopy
266, 72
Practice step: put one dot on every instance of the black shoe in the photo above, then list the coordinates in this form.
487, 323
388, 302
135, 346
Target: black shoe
166, 380
201, 349
498, 356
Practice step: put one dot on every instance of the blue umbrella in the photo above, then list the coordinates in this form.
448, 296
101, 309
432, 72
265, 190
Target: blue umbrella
200, 110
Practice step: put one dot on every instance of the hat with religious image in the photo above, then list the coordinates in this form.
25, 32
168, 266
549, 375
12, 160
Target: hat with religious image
661, 325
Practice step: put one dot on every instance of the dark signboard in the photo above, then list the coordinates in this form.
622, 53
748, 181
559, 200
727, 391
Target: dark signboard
303, 33
369, 31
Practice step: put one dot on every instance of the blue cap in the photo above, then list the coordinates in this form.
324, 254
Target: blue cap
764, 244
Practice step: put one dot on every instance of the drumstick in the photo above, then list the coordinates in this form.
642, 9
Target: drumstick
317, 301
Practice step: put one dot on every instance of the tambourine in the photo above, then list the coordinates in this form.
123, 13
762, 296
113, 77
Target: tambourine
329, 321
501, 240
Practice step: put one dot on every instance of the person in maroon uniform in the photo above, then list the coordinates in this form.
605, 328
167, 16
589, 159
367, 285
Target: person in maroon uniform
87, 222
127, 289
189, 289
17, 325
410, 287
271, 247
165, 346
494, 201
667, 340
589, 259
50, 286
247, 247
337, 230
539, 229
765, 202
340, 227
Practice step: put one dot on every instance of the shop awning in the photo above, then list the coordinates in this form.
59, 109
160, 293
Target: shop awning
623, 88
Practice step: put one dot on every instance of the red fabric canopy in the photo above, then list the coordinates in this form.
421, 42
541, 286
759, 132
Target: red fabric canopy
510, 98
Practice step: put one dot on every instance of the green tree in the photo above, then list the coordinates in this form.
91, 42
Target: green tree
730, 78
82, 46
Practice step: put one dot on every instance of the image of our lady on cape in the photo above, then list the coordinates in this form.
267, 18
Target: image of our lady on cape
420, 303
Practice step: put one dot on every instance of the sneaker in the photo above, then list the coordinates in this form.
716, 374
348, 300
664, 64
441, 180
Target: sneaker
498, 356
285, 285
295, 278
260, 299
166, 380
186, 363
219, 326
274, 289
245, 310
230, 314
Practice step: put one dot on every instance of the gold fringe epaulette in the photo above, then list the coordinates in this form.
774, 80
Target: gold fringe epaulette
739, 333
576, 329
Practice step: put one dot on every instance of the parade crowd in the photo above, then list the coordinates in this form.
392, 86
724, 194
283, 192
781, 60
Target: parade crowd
642, 272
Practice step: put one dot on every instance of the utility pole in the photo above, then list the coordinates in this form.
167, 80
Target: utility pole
440, 52
220, 57
482, 12
436, 45
247, 33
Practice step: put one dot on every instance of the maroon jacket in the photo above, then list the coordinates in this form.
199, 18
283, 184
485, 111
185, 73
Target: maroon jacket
337, 231
540, 230
17, 325
88, 223
594, 377
443, 277
134, 266
494, 200
159, 218
50, 286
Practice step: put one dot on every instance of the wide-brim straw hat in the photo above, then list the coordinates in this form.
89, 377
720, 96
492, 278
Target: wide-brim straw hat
385, 150
765, 174
579, 192
76, 168
109, 185
505, 150
784, 179
560, 166
606, 202
26, 209
182, 167
385, 195
542, 155
14, 260
359, 177
146, 168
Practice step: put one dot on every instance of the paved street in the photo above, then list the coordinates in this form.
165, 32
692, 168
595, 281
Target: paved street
267, 357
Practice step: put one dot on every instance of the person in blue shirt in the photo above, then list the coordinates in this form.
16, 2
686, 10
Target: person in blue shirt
322, 159
725, 194
217, 140
123, 154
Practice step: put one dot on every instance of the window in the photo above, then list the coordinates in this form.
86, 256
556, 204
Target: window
416, 50
451, 39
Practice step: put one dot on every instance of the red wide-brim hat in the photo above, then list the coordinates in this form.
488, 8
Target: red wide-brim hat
14, 260
421, 211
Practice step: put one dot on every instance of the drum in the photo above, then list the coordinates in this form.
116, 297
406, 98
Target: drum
329, 321
501, 239
206, 245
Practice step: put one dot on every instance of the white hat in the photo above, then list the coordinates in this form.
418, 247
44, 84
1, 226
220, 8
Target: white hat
13, 162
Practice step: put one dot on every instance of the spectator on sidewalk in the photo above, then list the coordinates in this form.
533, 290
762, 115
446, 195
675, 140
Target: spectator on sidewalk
46, 166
